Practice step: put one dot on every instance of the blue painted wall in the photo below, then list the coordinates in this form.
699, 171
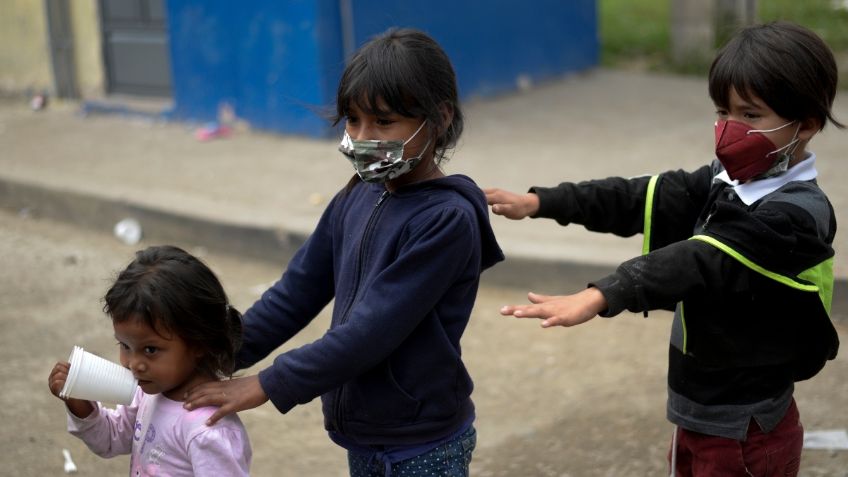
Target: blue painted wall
277, 63
274, 62
494, 42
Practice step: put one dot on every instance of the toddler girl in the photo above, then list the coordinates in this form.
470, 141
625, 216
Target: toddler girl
175, 330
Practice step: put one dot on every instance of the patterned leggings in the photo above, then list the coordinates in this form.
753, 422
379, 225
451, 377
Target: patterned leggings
450, 459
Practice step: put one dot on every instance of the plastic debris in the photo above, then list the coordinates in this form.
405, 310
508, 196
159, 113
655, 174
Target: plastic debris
212, 130
128, 231
70, 467
836, 439
524, 82
38, 101
226, 113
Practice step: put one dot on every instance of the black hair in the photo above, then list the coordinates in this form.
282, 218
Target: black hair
408, 73
171, 290
784, 64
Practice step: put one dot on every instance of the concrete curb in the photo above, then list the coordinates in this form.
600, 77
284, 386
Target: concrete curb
158, 225
254, 242
272, 244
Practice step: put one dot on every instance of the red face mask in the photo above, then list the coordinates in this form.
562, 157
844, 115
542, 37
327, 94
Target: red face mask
745, 152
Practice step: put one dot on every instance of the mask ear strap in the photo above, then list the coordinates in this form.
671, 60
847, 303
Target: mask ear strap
415, 133
774, 129
795, 138
424, 149
793, 144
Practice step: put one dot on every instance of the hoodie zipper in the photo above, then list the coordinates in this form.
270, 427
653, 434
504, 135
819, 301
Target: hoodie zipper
363, 247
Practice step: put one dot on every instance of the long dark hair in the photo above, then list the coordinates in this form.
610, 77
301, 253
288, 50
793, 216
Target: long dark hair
169, 289
408, 73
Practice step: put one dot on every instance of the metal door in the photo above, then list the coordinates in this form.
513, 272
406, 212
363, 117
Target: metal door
135, 47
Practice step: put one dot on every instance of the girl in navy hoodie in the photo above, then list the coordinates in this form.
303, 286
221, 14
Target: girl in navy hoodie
400, 249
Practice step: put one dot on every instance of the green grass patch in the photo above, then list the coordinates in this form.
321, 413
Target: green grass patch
636, 34
825, 17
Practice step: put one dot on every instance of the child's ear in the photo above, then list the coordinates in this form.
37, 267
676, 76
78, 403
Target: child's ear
809, 128
446, 110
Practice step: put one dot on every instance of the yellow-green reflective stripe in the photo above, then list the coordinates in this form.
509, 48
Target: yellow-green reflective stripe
649, 209
683, 322
822, 274
753, 266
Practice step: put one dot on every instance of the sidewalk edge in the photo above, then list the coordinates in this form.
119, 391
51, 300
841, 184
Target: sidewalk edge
272, 244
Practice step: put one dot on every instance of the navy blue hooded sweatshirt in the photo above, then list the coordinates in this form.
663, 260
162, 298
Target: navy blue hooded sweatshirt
403, 268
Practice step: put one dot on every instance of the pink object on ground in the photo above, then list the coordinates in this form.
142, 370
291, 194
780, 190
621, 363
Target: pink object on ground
212, 131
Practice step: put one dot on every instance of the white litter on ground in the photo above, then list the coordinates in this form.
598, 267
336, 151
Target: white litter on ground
829, 439
70, 467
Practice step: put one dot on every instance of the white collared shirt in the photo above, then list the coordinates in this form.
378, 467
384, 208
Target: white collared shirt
752, 191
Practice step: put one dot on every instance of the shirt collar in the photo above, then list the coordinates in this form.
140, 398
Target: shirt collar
753, 191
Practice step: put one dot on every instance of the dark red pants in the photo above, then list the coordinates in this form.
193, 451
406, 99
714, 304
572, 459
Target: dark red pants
777, 453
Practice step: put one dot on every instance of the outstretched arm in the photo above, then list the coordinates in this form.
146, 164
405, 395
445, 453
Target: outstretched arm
511, 205
563, 310
441, 255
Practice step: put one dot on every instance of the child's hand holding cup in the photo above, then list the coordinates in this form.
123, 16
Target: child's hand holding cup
91, 378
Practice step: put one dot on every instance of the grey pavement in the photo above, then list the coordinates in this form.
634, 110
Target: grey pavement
260, 194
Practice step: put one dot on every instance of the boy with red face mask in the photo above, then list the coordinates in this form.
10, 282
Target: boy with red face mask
740, 249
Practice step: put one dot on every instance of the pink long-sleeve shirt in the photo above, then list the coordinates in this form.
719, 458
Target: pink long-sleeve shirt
164, 439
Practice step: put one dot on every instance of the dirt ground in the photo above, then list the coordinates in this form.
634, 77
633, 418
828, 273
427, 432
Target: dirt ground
588, 401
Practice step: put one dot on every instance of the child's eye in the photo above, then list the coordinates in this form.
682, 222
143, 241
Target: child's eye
150, 349
384, 121
751, 116
721, 113
351, 119
123, 346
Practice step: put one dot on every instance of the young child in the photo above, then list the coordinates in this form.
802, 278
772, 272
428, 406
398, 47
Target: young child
740, 249
175, 330
400, 249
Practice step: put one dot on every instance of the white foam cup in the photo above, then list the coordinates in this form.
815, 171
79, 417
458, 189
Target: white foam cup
96, 379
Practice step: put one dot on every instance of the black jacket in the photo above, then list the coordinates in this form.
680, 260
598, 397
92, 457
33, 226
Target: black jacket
750, 284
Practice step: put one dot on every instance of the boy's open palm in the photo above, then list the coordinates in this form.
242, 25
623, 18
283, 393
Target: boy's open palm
233, 395
562, 310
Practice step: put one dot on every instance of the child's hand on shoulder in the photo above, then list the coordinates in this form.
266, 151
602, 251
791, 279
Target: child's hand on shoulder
231, 396
511, 205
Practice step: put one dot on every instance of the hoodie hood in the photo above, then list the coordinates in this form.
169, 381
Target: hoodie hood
468, 189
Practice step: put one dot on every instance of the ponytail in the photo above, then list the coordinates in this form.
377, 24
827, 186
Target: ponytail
235, 330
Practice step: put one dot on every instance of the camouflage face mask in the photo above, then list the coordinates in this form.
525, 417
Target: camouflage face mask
380, 161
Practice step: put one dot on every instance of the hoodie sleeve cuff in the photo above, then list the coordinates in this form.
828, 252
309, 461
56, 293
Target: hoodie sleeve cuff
618, 292
548, 198
276, 390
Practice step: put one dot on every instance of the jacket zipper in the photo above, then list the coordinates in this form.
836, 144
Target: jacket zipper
363, 246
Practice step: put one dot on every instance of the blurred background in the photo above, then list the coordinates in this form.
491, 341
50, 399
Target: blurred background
655, 34
275, 64
127, 123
